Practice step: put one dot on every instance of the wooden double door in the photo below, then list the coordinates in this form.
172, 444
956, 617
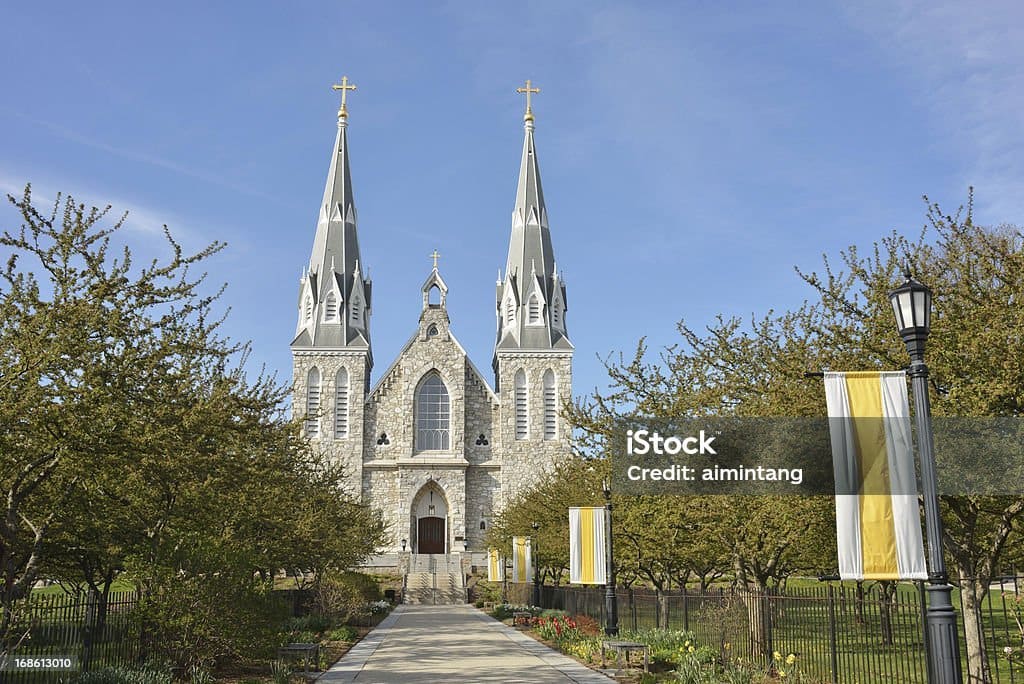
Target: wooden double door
430, 534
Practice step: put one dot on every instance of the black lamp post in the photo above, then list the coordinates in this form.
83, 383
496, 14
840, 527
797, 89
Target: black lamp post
912, 303
536, 565
611, 604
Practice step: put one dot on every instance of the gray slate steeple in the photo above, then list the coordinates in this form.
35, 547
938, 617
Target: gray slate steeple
334, 296
531, 301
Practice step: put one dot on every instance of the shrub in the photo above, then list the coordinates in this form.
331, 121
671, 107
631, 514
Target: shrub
126, 675
345, 595
281, 672
195, 621
344, 633
487, 592
503, 611
308, 623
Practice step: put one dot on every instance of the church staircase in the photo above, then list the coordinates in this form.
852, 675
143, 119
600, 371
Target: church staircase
435, 579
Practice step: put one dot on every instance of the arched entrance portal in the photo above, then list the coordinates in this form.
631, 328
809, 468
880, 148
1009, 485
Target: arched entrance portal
430, 520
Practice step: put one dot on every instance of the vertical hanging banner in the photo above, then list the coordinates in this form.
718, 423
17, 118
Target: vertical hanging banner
522, 560
586, 546
495, 566
878, 527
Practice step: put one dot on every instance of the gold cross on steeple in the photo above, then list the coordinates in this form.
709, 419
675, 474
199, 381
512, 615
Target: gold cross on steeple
344, 87
529, 91
435, 256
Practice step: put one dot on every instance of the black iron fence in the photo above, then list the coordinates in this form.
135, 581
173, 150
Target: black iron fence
872, 632
90, 631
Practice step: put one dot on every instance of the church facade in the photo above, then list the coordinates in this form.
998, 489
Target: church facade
431, 443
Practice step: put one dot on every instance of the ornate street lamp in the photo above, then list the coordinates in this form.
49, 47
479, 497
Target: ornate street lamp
911, 304
611, 604
404, 541
536, 566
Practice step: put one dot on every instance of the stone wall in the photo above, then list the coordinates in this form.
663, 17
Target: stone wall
524, 461
347, 451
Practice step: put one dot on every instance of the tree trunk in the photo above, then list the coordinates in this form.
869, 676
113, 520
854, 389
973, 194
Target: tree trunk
972, 594
758, 620
662, 602
886, 596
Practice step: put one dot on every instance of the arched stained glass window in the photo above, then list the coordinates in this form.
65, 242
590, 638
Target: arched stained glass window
522, 405
550, 406
313, 403
433, 414
341, 405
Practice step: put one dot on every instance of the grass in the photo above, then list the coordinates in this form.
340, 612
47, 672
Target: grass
801, 625
57, 590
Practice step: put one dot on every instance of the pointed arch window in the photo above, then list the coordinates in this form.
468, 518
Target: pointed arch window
341, 405
433, 414
313, 402
331, 307
521, 406
533, 310
550, 406
556, 314
510, 310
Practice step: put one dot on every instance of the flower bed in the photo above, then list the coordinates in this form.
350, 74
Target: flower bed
675, 655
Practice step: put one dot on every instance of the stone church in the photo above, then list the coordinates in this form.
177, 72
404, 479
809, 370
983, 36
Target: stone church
435, 446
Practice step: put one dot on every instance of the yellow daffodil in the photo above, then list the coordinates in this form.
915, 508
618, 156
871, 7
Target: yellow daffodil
791, 658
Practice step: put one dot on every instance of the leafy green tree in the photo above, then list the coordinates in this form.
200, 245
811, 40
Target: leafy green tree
134, 443
975, 354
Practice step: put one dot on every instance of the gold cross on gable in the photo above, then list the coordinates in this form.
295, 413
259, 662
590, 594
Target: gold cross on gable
344, 87
529, 91
435, 256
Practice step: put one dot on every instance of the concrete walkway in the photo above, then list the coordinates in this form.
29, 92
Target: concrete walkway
441, 644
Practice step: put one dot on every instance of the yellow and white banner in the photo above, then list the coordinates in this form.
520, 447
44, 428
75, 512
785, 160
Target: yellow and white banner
878, 527
586, 546
495, 566
522, 560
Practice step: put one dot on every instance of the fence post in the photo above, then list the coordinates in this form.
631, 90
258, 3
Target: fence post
89, 628
833, 647
686, 611
767, 615
632, 607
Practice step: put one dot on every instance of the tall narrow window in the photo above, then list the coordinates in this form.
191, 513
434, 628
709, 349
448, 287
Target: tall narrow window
341, 405
556, 314
550, 406
307, 307
313, 403
522, 422
534, 310
433, 414
330, 307
355, 310
510, 310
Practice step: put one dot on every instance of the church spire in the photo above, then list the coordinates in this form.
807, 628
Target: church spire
531, 296
334, 297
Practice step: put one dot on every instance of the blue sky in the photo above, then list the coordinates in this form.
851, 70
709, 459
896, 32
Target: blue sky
692, 153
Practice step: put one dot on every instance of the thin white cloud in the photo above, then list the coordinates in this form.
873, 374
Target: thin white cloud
143, 157
145, 221
964, 62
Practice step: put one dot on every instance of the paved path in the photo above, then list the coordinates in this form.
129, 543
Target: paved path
442, 644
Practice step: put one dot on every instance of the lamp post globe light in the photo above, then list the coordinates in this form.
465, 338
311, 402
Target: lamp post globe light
911, 304
611, 604
536, 565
